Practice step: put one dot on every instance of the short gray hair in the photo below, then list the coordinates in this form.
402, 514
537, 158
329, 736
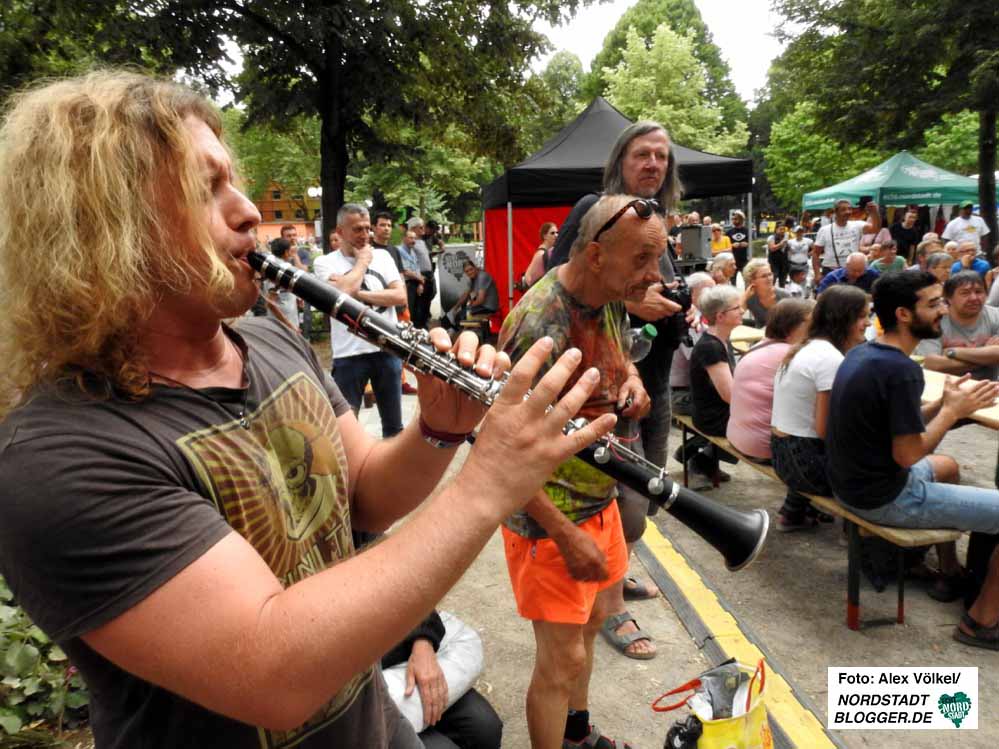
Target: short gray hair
414, 222
671, 189
716, 299
350, 209
697, 280
722, 258
938, 258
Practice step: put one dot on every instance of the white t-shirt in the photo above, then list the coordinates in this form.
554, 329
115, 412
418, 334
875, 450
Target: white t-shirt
380, 274
799, 251
846, 240
812, 371
966, 230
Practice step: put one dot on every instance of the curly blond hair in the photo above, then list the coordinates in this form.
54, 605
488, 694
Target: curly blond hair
91, 169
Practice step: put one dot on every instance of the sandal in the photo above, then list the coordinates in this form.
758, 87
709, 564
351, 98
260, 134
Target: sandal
981, 636
594, 740
636, 591
621, 642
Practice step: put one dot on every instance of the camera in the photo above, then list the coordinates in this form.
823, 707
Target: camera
676, 326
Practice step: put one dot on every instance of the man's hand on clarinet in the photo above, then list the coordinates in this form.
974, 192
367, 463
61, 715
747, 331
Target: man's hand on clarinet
521, 441
442, 407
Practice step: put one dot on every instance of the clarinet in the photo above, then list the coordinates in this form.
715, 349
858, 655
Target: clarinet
738, 535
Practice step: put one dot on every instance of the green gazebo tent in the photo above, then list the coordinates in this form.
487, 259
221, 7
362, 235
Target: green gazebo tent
902, 180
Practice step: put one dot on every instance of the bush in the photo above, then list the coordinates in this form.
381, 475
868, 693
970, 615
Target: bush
39, 686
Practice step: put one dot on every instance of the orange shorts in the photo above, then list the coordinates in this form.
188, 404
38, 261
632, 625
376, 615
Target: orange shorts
542, 585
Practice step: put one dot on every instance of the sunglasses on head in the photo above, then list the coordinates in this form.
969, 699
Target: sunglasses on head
644, 207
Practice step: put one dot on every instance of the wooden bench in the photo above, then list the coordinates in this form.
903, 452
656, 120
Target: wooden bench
856, 527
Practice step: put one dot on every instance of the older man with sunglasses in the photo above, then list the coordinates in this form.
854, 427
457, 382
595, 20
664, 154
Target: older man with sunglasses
569, 544
641, 163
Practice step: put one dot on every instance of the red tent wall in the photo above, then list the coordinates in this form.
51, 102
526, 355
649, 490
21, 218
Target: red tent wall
527, 221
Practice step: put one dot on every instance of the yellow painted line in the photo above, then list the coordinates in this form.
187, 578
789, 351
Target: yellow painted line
800, 724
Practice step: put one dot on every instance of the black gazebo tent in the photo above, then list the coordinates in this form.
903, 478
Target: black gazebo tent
545, 186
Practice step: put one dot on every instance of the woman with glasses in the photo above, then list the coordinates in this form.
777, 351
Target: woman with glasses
711, 367
536, 269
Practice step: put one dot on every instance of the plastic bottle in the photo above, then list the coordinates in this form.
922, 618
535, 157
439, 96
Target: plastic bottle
641, 341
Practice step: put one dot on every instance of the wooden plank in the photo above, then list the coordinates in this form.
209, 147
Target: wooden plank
905, 537
746, 333
933, 389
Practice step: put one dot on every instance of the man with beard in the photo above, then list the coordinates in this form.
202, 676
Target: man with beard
880, 441
739, 234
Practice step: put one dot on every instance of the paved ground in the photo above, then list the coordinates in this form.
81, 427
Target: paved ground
792, 600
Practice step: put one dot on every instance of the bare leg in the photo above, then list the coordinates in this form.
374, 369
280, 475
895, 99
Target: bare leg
985, 609
560, 663
611, 602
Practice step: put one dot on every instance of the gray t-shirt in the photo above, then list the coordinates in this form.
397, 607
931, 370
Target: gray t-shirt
760, 313
133, 492
484, 281
959, 336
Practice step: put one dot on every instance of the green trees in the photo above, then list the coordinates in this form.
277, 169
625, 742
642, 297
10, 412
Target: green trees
683, 17
885, 71
665, 82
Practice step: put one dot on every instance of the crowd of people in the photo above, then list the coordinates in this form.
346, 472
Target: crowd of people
210, 545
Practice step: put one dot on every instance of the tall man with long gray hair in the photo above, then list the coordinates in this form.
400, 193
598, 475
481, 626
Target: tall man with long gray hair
640, 163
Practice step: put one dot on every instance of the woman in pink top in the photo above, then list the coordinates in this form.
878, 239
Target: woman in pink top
753, 383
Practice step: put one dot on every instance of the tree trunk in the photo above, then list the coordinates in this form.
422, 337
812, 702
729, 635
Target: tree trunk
987, 175
333, 169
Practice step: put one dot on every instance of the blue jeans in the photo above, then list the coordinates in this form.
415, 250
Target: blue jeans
352, 373
925, 503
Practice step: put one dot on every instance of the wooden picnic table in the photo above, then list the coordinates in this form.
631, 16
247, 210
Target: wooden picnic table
933, 389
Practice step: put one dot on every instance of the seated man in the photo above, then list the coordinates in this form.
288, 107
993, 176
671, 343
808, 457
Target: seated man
880, 440
969, 342
967, 260
889, 260
482, 298
430, 676
854, 272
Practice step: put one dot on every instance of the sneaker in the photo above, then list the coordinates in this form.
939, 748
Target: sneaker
408, 389
789, 523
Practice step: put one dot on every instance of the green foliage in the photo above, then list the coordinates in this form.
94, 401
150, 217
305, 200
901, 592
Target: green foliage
419, 168
683, 17
800, 158
288, 157
953, 143
555, 98
38, 684
888, 70
665, 82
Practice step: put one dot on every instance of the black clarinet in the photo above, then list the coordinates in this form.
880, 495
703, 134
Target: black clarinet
738, 535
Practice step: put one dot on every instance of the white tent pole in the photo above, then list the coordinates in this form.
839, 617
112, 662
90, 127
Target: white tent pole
749, 222
509, 253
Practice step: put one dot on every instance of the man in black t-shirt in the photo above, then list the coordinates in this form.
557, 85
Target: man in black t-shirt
907, 234
190, 545
739, 234
880, 441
